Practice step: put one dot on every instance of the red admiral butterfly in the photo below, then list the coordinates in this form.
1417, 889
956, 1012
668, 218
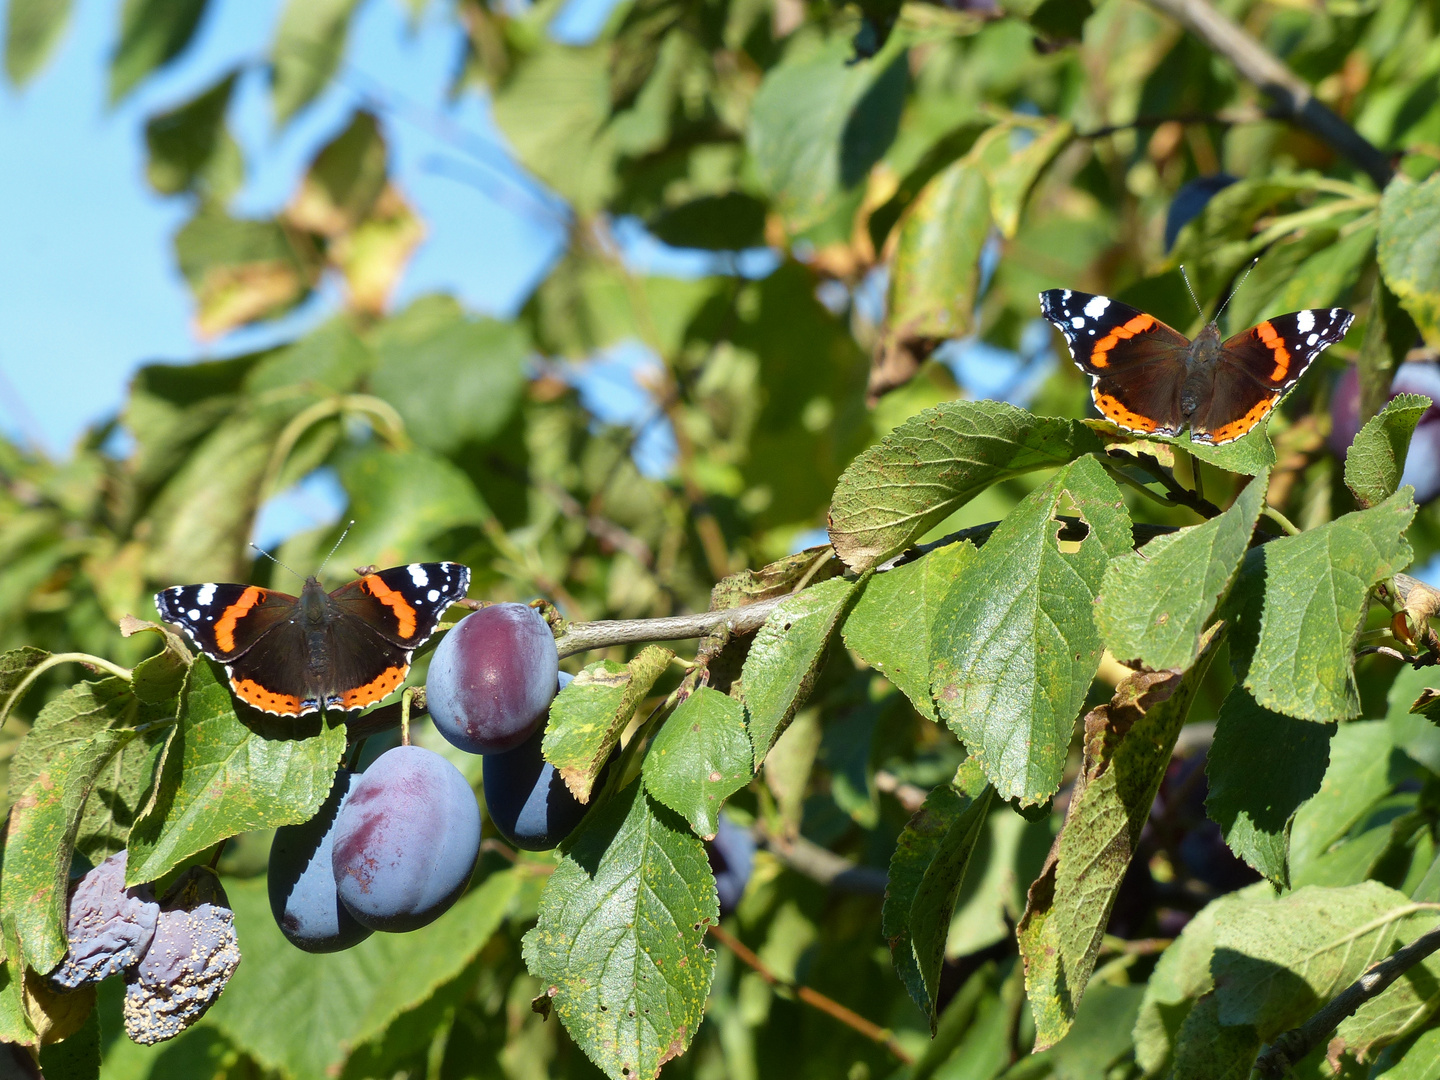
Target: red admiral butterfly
344, 650
1149, 379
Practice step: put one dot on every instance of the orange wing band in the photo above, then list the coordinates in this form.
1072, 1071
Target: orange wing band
404, 613
225, 625
373, 691
252, 693
1119, 414
1276, 344
1236, 428
1138, 325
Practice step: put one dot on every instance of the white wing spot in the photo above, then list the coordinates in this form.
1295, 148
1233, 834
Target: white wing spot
207, 594
1065, 295
194, 613
1312, 339
433, 595
1305, 322
418, 575
1334, 313
1096, 307
1078, 321
1092, 331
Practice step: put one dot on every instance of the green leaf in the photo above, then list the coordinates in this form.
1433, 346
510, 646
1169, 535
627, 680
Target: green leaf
700, 758
453, 383
1015, 646
819, 122
553, 110
77, 1057
190, 148
1207, 1050
239, 270
1409, 249
786, 656
1011, 170
935, 274
1154, 604
890, 625
201, 518
1128, 744
926, 872
1261, 768
1414, 733
1299, 603
1182, 975
1276, 963
620, 943
330, 359
936, 462
1361, 772
152, 33
340, 188
1101, 1035
222, 776
307, 50
1248, 455
334, 1002
1376, 458
32, 30
402, 502
729, 222
1418, 1060
588, 716
54, 771
14, 666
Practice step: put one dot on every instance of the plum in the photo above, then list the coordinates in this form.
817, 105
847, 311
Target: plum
492, 677
190, 960
303, 897
109, 926
405, 840
732, 856
526, 798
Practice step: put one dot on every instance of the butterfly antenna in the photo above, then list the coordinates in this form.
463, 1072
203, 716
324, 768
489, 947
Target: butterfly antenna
348, 526
1235, 290
273, 559
1185, 278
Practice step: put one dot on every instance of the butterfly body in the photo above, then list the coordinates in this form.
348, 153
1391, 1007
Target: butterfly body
341, 650
1151, 380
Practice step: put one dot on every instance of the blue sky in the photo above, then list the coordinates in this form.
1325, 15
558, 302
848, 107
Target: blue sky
88, 285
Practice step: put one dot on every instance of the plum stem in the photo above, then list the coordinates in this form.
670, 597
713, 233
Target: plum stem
405, 715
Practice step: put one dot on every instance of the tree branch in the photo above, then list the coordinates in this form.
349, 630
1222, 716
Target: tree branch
1292, 1046
814, 998
1292, 96
580, 637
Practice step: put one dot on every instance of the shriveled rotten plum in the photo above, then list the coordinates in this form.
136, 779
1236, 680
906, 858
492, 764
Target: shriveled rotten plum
492, 678
406, 840
109, 926
303, 897
192, 956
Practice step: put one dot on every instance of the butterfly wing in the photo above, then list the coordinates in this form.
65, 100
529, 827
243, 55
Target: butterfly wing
224, 620
1135, 362
1258, 367
404, 603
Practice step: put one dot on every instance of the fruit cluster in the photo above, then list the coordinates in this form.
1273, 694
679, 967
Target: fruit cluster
176, 956
393, 847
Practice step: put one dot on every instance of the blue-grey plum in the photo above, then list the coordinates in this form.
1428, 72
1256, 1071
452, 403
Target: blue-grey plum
108, 928
303, 897
406, 840
732, 857
526, 798
492, 677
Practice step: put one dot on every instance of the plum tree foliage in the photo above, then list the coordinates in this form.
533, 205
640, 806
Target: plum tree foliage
1061, 752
